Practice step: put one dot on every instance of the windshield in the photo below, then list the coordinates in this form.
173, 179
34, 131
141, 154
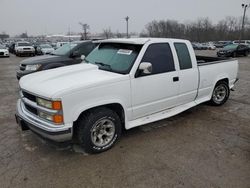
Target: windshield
23, 44
230, 47
45, 46
65, 49
114, 57
2, 47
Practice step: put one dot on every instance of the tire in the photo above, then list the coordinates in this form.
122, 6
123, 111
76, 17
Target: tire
97, 126
220, 94
246, 53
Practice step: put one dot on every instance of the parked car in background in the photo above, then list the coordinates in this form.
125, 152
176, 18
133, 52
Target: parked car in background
210, 46
4, 52
60, 44
124, 83
68, 54
221, 44
12, 47
204, 46
43, 49
246, 42
234, 50
24, 48
198, 46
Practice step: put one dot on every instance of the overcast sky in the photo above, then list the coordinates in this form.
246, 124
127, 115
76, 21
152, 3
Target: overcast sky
56, 16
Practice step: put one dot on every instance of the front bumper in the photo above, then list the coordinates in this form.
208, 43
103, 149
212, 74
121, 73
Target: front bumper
224, 54
50, 132
4, 54
26, 52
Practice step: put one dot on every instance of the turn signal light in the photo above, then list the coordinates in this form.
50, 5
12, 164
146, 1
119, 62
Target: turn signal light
57, 105
58, 118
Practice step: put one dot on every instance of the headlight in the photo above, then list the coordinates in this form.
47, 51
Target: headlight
32, 67
45, 116
44, 103
19, 49
55, 105
57, 118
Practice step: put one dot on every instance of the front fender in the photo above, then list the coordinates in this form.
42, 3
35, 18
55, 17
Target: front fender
79, 110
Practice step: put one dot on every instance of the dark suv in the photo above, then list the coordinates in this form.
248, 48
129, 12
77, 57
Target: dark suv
234, 50
68, 54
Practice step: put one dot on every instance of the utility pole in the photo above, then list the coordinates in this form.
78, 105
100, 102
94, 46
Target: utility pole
244, 6
69, 33
85, 28
127, 18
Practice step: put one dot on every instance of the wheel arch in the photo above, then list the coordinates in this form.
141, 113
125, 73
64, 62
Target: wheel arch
114, 106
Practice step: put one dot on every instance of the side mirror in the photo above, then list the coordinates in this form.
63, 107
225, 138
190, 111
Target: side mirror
146, 68
82, 57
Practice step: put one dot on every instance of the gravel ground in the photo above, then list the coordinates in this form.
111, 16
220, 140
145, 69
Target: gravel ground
203, 147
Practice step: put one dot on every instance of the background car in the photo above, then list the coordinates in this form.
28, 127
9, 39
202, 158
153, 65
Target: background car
24, 48
210, 46
234, 50
12, 47
44, 49
197, 46
68, 54
4, 52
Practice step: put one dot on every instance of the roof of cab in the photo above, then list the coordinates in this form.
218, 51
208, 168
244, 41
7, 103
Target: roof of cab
139, 41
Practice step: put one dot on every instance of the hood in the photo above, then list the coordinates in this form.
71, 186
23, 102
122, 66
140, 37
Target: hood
3, 50
43, 59
21, 47
55, 83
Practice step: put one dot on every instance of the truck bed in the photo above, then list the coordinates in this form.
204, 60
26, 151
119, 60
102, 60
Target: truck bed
205, 60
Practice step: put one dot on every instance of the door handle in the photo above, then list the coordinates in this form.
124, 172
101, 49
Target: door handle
176, 79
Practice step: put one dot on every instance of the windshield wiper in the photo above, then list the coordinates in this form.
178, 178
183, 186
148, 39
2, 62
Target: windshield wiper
104, 65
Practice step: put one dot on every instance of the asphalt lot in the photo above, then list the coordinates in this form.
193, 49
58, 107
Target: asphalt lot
203, 147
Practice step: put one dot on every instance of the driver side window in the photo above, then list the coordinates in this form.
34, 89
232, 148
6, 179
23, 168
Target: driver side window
161, 58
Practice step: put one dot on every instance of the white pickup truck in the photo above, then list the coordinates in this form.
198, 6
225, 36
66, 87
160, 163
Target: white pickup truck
123, 83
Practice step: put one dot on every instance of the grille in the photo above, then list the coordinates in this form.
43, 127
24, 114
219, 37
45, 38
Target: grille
29, 96
1, 53
31, 109
26, 48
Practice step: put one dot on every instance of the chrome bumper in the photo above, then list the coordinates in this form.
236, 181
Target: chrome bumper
44, 129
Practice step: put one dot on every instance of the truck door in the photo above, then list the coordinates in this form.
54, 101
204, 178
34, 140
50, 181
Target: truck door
157, 91
188, 73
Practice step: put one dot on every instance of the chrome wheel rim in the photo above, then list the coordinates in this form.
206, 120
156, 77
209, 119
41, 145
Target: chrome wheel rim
219, 94
102, 132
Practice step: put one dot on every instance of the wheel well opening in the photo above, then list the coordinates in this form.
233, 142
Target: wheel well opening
116, 107
224, 80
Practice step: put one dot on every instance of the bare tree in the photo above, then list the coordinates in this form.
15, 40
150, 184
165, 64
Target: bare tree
107, 33
201, 30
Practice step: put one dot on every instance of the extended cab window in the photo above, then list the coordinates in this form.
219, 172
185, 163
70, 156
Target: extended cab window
183, 55
114, 57
161, 58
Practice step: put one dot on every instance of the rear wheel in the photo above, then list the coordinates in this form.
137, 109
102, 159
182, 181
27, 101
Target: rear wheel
220, 94
98, 130
246, 53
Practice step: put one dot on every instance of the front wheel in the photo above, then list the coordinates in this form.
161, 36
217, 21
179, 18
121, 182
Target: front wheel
220, 94
98, 130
